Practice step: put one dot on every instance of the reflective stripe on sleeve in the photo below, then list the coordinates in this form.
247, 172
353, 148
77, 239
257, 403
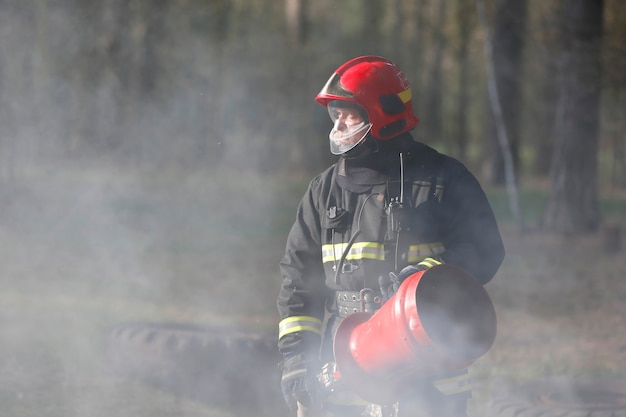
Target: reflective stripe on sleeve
429, 262
424, 250
299, 324
359, 250
454, 385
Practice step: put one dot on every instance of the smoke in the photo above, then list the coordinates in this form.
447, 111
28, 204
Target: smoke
129, 191
114, 207
85, 248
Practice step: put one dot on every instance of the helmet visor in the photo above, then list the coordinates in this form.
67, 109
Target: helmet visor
350, 126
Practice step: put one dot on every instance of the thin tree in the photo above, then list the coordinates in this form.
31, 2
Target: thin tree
433, 117
541, 74
464, 19
502, 135
296, 17
508, 44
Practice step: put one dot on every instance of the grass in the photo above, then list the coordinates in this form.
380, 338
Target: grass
86, 249
533, 200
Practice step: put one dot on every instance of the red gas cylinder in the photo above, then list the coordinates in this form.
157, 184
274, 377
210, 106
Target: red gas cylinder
439, 320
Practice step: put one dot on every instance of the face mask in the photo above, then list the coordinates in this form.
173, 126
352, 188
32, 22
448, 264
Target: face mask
342, 141
349, 128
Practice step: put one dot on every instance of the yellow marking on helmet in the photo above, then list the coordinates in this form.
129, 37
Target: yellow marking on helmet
405, 95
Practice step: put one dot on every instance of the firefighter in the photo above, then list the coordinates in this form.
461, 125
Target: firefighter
389, 206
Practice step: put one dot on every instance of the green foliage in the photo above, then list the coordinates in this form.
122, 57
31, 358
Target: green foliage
533, 202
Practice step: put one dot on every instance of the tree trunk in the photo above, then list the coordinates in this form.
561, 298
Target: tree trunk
573, 202
7, 124
508, 42
433, 119
465, 27
543, 114
414, 58
370, 34
296, 16
501, 131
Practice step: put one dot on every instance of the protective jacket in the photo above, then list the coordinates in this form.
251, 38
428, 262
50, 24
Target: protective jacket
365, 217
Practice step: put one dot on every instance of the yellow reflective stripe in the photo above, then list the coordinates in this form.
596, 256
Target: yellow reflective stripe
376, 251
299, 324
429, 262
454, 385
405, 95
420, 252
359, 250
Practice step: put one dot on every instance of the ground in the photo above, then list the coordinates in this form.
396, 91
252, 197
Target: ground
82, 253
560, 305
560, 310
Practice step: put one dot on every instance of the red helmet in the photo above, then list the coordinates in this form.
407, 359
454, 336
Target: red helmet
377, 85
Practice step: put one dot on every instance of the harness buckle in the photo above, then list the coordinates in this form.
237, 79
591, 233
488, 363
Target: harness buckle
347, 268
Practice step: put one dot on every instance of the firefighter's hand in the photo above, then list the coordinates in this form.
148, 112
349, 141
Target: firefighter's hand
390, 284
427, 263
299, 382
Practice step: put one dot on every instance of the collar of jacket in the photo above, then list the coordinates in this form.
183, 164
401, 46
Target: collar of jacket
359, 175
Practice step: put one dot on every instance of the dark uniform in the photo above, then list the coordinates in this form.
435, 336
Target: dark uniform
445, 215
370, 215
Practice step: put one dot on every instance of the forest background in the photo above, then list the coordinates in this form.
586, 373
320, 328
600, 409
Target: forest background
153, 152
230, 84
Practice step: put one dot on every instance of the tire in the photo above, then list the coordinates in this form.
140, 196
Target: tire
220, 367
562, 398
